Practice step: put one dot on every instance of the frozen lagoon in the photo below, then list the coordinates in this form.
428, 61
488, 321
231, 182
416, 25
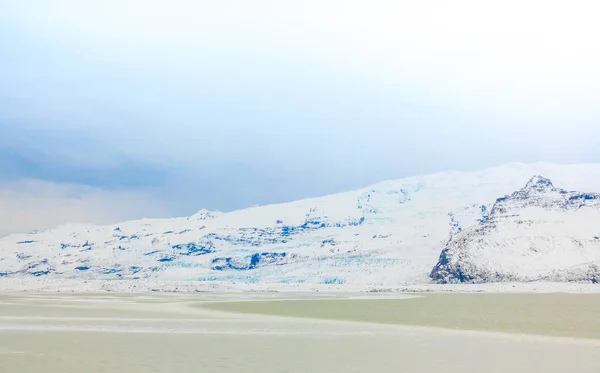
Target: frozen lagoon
320, 333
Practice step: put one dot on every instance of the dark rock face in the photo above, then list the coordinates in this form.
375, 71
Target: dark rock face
514, 244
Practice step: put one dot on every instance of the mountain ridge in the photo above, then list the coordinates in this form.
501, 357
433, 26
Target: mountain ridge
388, 234
530, 223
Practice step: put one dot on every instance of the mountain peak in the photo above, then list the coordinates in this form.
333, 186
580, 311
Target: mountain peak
204, 214
539, 184
539, 232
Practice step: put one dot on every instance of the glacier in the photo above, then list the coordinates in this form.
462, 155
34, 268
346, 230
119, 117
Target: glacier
387, 235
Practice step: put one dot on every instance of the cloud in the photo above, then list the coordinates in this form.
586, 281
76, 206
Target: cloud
29, 204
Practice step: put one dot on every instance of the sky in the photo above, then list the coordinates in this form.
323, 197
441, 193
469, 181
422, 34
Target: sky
114, 110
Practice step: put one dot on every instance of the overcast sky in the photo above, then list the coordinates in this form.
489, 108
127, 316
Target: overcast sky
115, 109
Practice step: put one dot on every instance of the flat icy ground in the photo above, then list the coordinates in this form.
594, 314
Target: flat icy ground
194, 333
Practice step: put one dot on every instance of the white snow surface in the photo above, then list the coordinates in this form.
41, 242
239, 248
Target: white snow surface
538, 233
387, 236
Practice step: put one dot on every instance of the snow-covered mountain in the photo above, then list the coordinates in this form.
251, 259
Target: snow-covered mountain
537, 233
388, 234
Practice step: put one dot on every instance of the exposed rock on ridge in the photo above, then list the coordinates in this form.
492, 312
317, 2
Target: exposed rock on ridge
537, 233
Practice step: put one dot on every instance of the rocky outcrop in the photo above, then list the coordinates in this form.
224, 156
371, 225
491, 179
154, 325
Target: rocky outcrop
537, 233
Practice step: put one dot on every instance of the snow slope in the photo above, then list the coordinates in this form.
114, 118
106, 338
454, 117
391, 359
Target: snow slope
537, 233
389, 234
